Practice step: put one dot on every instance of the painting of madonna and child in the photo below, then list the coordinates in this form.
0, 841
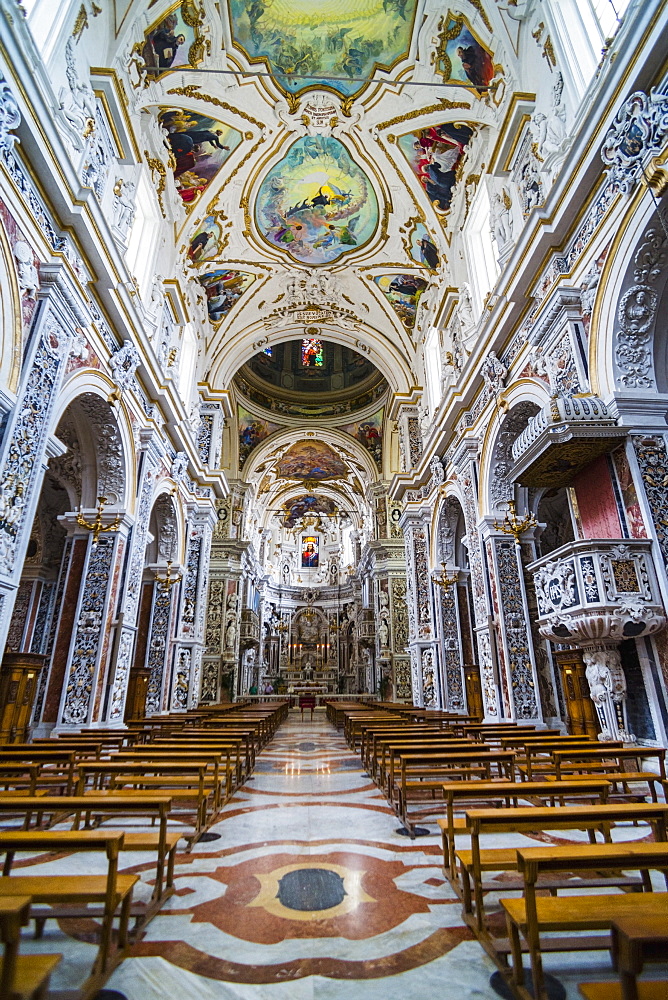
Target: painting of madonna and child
200, 145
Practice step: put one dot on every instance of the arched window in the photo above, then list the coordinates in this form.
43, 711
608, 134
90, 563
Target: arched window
581, 29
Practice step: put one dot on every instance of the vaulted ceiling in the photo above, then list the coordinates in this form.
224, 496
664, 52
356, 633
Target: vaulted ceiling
319, 162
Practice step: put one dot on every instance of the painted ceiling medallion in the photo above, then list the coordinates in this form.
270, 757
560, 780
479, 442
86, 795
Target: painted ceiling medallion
332, 43
311, 461
316, 203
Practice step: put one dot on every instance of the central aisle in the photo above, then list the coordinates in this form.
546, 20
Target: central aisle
309, 888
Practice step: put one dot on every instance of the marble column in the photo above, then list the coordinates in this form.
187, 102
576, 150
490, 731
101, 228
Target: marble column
189, 640
82, 695
449, 629
516, 660
125, 629
158, 647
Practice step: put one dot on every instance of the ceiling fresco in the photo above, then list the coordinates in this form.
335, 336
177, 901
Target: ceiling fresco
223, 289
208, 242
403, 292
369, 432
301, 506
434, 154
253, 430
461, 56
316, 204
341, 39
199, 146
309, 460
314, 164
175, 39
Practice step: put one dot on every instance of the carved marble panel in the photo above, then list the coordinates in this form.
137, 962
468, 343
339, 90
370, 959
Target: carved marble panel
85, 649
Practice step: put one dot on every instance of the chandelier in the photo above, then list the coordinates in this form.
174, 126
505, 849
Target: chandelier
513, 525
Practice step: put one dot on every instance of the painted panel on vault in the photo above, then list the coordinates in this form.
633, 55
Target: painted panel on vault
222, 289
308, 460
200, 145
316, 203
330, 44
252, 431
403, 292
434, 154
369, 433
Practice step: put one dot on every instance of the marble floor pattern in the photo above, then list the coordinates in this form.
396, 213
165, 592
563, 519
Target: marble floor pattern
309, 894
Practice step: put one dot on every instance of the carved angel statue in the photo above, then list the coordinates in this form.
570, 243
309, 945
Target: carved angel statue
550, 129
83, 107
465, 307
588, 289
26, 270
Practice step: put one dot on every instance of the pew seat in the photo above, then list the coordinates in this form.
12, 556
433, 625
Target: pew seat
73, 895
532, 916
22, 977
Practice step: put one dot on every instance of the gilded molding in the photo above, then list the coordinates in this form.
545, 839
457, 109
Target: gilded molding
192, 91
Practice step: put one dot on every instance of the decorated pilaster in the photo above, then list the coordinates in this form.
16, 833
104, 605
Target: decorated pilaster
126, 627
189, 642
26, 445
82, 699
468, 477
516, 661
158, 647
423, 648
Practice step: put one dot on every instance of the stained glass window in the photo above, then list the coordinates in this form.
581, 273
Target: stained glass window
267, 351
312, 353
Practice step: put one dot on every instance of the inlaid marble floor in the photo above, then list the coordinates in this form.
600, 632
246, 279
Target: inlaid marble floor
308, 893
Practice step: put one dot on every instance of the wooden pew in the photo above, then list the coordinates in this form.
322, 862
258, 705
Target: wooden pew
532, 916
182, 782
21, 777
71, 894
634, 941
483, 794
390, 752
238, 749
218, 760
91, 809
22, 977
56, 765
427, 772
610, 762
475, 862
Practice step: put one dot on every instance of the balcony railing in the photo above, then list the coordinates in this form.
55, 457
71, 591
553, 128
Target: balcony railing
561, 439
